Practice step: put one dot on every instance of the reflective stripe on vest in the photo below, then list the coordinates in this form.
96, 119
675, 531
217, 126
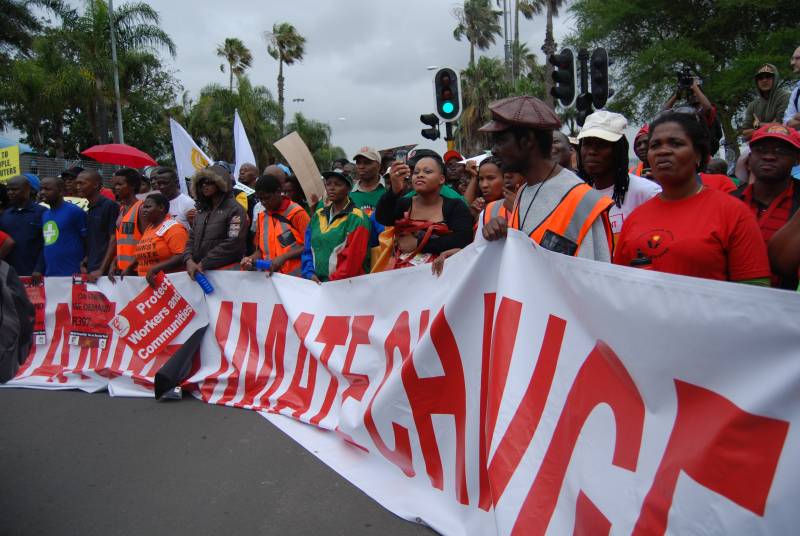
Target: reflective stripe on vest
574, 216
293, 266
126, 242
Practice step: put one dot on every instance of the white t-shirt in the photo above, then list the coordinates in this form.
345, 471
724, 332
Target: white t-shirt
178, 208
639, 191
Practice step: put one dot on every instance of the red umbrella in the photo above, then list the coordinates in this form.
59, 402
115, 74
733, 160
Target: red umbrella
120, 154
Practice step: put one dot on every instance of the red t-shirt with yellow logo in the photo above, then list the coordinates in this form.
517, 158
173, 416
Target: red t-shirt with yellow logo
159, 243
710, 235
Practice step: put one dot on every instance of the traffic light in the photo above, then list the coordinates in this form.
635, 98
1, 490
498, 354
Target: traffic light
432, 120
599, 75
564, 77
584, 106
447, 93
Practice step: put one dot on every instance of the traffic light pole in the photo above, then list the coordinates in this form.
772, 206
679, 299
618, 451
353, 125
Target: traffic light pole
583, 57
448, 136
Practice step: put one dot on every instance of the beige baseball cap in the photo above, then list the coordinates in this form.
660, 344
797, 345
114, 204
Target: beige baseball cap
605, 125
369, 152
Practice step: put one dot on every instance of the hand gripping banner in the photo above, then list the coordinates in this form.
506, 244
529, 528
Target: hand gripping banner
523, 392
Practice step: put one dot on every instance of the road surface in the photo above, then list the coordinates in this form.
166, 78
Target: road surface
75, 463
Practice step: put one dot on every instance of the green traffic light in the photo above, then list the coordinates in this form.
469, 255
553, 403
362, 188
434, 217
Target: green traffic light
448, 107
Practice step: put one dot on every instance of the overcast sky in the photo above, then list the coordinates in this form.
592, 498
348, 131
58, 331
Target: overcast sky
365, 60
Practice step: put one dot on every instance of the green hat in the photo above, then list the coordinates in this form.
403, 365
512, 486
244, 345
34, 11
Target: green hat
339, 174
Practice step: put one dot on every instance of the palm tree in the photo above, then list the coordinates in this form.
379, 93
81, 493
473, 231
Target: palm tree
138, 33
481, 84
479, 23
287, 46
526, 8
238, 57
549, 46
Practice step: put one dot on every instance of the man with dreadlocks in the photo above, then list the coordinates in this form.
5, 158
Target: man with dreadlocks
603, 163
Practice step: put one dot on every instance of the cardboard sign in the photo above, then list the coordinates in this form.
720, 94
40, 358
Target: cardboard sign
35, 290
296, 153
153, 318
91, 312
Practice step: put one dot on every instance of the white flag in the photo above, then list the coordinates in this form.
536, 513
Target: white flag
244, 153
189, 158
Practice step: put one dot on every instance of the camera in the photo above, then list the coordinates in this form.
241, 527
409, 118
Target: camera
686, 79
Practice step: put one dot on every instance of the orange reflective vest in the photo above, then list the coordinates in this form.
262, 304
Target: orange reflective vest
128, 235
493, 210
638, 169
573, 217
276, 235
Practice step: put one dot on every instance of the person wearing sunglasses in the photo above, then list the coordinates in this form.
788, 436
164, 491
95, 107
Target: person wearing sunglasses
770, 102
774, 197
219, 233
689, 229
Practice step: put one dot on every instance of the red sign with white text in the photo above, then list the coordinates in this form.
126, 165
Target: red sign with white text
34, 288
91, 312
153, 318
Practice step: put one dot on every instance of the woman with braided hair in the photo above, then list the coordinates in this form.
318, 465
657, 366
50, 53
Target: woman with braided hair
603, 163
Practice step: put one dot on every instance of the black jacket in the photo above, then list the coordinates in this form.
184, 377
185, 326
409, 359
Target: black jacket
217, 237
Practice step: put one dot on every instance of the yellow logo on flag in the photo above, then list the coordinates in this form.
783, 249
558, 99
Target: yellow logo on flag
198, 160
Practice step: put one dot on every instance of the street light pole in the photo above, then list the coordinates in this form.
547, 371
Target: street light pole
120, 135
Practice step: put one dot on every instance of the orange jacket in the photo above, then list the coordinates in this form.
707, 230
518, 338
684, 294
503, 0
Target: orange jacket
573, 217
493, 210
279, 232
128, 235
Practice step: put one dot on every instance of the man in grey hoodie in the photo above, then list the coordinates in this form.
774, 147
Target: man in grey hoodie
770, 103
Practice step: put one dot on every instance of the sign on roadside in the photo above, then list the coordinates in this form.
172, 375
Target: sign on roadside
9, 162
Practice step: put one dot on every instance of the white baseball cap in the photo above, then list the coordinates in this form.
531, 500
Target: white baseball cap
605, 125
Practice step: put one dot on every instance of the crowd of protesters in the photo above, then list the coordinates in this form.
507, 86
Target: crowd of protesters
675, 211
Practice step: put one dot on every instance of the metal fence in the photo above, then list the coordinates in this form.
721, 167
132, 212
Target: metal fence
44, 166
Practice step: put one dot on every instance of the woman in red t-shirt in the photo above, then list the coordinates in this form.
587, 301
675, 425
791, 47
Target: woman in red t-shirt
162, 244
689, 229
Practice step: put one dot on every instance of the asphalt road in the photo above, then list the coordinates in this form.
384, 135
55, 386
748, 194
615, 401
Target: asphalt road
75, 463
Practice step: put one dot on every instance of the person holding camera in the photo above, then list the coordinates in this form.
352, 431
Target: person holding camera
689, 89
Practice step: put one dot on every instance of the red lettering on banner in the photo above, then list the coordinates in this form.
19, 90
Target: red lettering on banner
359, 335
602, 379
297, 397
274, 350
333, 333
398, 339
484, 491
589, 520
60, 338
440, 395
221, 332
721, 447
247, 344
529, 412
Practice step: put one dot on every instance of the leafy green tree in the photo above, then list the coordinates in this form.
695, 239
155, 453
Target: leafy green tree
481, 84
137, 31
210, 120
723, 42
317, 136
287, 46
238, 57
478, 23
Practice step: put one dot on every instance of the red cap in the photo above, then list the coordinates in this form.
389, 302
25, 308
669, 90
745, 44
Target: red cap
778, 132
644, 131
449, 155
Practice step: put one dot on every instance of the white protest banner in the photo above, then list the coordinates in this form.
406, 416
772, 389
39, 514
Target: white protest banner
241, 146
523, 392
189, 158
296, 153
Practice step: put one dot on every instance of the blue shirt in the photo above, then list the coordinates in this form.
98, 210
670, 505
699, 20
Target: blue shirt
24, 225
63, 229
101, 226
792, 109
